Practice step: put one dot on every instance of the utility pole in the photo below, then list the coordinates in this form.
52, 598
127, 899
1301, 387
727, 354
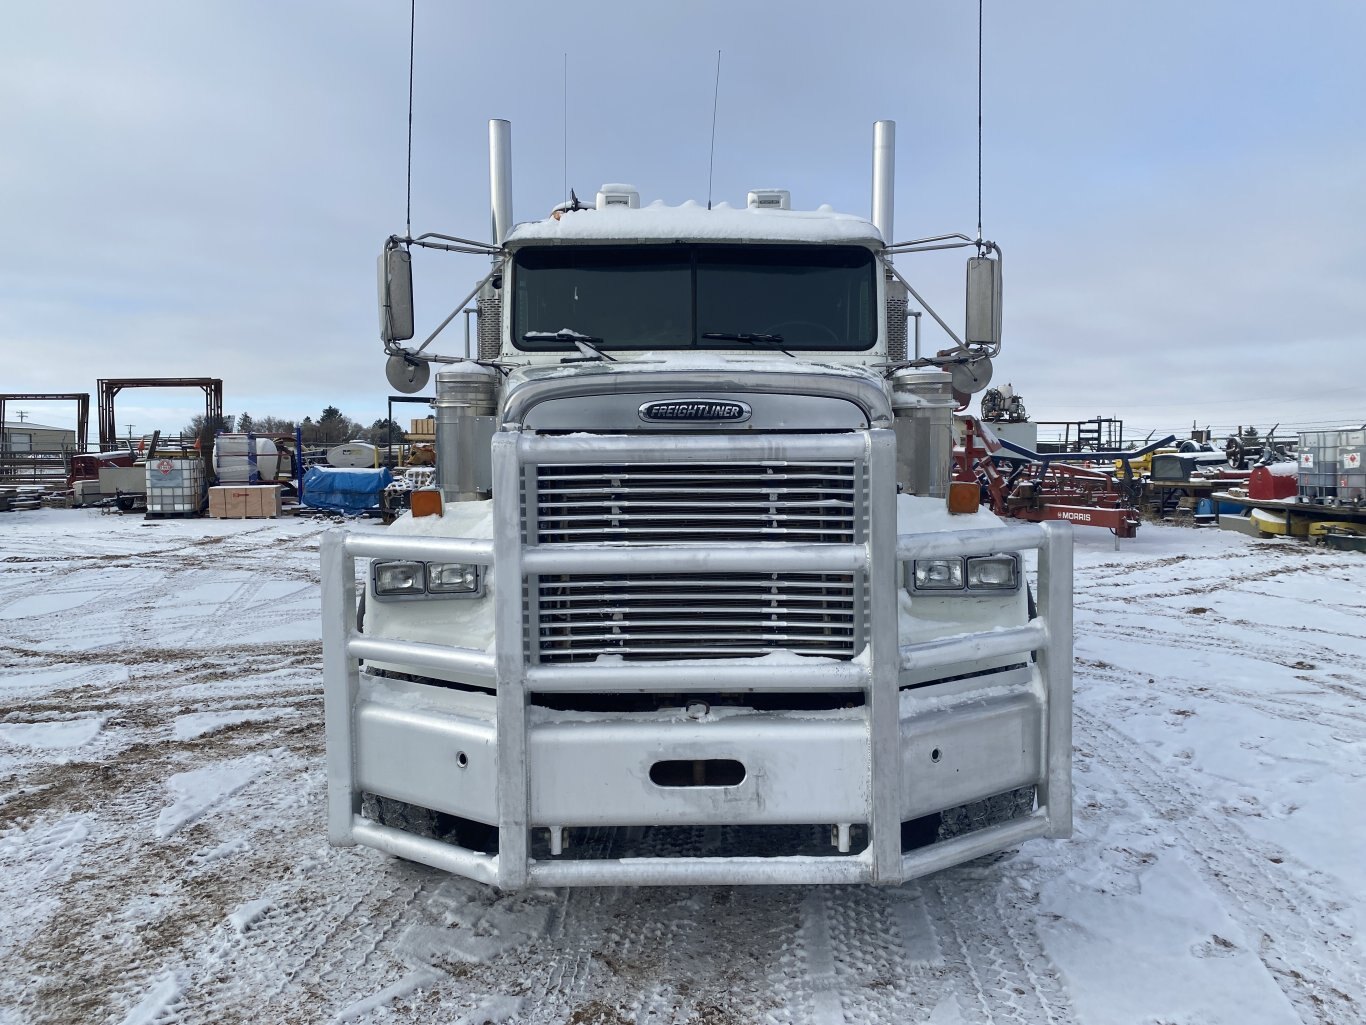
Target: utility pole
22, 414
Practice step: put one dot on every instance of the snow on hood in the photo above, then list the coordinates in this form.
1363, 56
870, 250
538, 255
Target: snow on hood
457, 519
917, 514
694, 222
636, 363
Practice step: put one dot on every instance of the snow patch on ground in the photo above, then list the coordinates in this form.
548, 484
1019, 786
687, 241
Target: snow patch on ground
198, 791
53, 734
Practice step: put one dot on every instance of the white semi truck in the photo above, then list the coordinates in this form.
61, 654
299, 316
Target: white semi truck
697, 600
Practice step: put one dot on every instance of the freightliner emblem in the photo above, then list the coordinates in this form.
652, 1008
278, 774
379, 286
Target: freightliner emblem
692, 410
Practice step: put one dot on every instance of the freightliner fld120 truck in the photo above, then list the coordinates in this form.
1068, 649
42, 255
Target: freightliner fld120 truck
697, 600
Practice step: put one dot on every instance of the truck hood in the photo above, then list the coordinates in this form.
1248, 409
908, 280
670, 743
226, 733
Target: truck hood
692, 391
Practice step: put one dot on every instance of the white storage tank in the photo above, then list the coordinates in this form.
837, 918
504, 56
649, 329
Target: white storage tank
232, 462
353, 455
175, 486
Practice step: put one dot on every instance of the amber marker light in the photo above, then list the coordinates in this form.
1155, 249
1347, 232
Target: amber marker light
426, 502
964, 496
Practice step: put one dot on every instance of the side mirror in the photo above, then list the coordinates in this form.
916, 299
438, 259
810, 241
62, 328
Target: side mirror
983, 326
395, 295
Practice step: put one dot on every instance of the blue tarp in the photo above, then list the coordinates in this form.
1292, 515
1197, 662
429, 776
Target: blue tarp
345, 491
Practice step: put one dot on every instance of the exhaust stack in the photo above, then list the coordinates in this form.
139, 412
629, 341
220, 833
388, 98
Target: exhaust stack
500, 178
884, 171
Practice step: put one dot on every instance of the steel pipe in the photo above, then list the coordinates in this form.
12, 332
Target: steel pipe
947, 651
692, 448
944, 855
478, 551
509, 575
457, 860
791, 871
341, 681
654, 677
1055, 664
754, 558
950, 543
465, 661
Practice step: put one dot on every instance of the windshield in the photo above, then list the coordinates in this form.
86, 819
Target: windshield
776, 298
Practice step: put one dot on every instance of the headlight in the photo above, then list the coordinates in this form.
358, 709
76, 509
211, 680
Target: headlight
452, 578
398, 581
393, 579
994, 572
973, 575
938, 574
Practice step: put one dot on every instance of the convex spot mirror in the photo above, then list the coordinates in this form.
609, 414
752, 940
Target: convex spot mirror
983, 326
395, 295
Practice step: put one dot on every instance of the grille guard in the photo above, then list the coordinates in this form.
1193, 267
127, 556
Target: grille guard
876, 672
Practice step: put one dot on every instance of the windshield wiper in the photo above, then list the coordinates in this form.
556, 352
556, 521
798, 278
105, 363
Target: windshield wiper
584, 343
749, 338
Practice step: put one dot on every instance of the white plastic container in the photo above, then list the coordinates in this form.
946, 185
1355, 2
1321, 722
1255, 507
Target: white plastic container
353, 455
175, 487
232, 465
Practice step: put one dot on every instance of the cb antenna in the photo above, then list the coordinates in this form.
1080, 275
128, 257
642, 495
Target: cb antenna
715, 99
979, 125
412, 35
566, 127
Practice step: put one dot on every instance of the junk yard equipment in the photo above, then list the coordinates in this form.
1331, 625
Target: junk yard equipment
691, 564
1027, 485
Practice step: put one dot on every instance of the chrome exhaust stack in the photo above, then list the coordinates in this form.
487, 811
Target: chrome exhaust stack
884, 172
500, 178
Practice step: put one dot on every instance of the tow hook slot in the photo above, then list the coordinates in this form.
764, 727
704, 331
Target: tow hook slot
707, 772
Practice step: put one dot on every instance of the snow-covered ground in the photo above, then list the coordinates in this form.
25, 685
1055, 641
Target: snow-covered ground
163, 855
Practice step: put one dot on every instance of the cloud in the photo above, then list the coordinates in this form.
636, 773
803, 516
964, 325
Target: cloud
201, 190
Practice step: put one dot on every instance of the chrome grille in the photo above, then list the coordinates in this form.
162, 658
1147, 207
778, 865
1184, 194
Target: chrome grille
799, 503
701, 615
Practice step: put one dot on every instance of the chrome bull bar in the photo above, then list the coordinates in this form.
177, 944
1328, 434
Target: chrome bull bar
877, 674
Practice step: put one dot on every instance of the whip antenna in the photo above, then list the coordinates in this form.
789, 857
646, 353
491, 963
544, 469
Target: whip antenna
412, 30
715, 98
566, 127
979, 120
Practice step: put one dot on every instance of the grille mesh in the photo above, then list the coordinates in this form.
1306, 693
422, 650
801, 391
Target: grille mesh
653, 616
799, 503
663, 616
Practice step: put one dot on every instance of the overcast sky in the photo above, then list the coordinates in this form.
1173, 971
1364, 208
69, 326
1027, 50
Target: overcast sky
200, 189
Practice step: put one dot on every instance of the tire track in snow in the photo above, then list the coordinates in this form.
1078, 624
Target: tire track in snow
302, 950
994, 946
1279, 705
818, 949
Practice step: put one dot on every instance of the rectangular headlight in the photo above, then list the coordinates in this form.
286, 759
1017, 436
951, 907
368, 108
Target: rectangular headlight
452, 578
938, 574
994, 573
395, 579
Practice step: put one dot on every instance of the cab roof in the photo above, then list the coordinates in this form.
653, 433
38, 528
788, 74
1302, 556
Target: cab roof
693, 222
